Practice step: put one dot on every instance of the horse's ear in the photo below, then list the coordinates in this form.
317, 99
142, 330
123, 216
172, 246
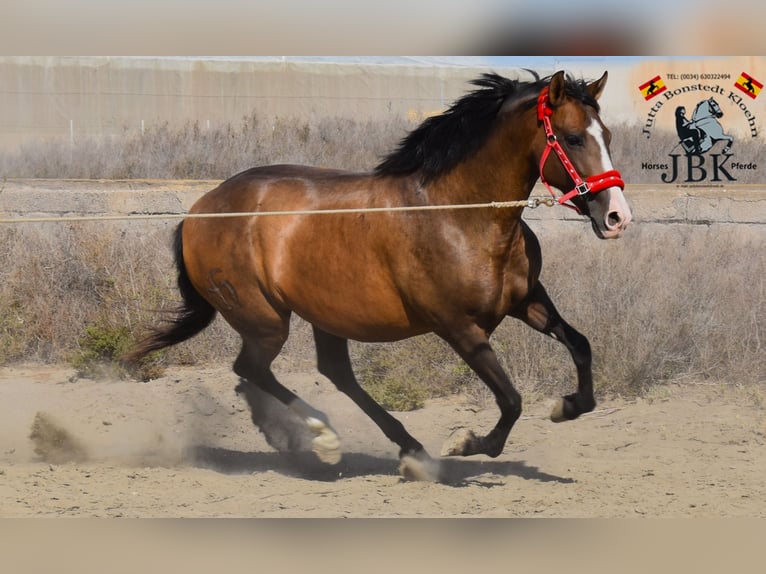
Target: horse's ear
597, 87
556, 89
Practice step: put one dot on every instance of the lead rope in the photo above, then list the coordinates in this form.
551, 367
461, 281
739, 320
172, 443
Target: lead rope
532, 203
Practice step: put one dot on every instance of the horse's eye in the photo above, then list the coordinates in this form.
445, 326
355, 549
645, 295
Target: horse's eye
573, 140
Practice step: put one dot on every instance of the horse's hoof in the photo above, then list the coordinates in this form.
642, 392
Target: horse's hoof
557, 414
460, 443
326, 443
419, 467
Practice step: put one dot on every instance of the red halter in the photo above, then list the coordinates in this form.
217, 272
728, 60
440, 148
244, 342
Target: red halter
592, 184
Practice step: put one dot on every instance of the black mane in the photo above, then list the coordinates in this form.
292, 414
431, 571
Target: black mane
441, 142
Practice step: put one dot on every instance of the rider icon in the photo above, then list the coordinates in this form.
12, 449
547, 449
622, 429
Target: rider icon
688, 133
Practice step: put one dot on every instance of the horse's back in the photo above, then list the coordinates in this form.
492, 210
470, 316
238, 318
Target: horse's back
328, 268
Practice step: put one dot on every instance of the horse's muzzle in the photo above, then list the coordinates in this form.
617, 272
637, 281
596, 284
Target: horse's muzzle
610, 222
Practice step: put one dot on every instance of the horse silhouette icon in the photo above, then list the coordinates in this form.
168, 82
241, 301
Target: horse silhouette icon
700, 134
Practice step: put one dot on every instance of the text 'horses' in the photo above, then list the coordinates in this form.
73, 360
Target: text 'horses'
385, 276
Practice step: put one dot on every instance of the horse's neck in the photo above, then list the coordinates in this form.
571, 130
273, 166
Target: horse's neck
701, 112
499, 171
491, 184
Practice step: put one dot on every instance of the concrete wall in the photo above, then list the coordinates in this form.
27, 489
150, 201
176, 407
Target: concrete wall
44, 97
80, 97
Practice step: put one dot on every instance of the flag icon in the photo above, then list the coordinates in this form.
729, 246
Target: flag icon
652, 88
749, 85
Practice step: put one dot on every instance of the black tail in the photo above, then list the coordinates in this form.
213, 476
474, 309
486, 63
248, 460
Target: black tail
191, 317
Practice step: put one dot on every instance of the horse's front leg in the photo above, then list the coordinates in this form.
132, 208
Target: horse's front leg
539, 312
472, 344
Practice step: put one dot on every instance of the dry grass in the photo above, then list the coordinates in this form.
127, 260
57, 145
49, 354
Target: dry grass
665, 303
193, 152
63, 285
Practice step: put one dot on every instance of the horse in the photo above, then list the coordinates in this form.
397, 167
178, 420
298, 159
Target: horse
705, 119
391, 273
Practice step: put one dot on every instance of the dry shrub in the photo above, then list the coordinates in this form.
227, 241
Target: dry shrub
665, 303
61, 278
83, 292
190, 151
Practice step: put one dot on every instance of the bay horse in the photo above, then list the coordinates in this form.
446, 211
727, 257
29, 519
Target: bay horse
386, 276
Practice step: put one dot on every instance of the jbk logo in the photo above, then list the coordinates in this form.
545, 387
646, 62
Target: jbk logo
697, 169
697, 136
704, 149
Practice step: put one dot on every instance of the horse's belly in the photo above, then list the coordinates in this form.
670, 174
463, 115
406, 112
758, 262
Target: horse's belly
361, 312
366, 331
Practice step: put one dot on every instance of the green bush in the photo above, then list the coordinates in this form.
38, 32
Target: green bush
99, 348
397, 394
99, 352
418, 368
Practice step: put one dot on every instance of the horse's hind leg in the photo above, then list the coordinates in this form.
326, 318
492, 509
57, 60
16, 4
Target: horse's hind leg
539, 312
334, 363
283, 423
282, 428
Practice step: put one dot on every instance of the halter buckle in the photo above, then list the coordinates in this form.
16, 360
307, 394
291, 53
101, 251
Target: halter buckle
583, 188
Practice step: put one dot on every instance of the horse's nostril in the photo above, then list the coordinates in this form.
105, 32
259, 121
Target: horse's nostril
613, 219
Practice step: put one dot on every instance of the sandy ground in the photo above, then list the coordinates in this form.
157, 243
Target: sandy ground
184, 446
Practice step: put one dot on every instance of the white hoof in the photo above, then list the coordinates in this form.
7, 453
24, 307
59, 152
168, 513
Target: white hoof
326, 443
557, 414
458, 442
419, 469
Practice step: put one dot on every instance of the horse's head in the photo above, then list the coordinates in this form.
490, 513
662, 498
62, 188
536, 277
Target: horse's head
707, 109
569, 113
715, 109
